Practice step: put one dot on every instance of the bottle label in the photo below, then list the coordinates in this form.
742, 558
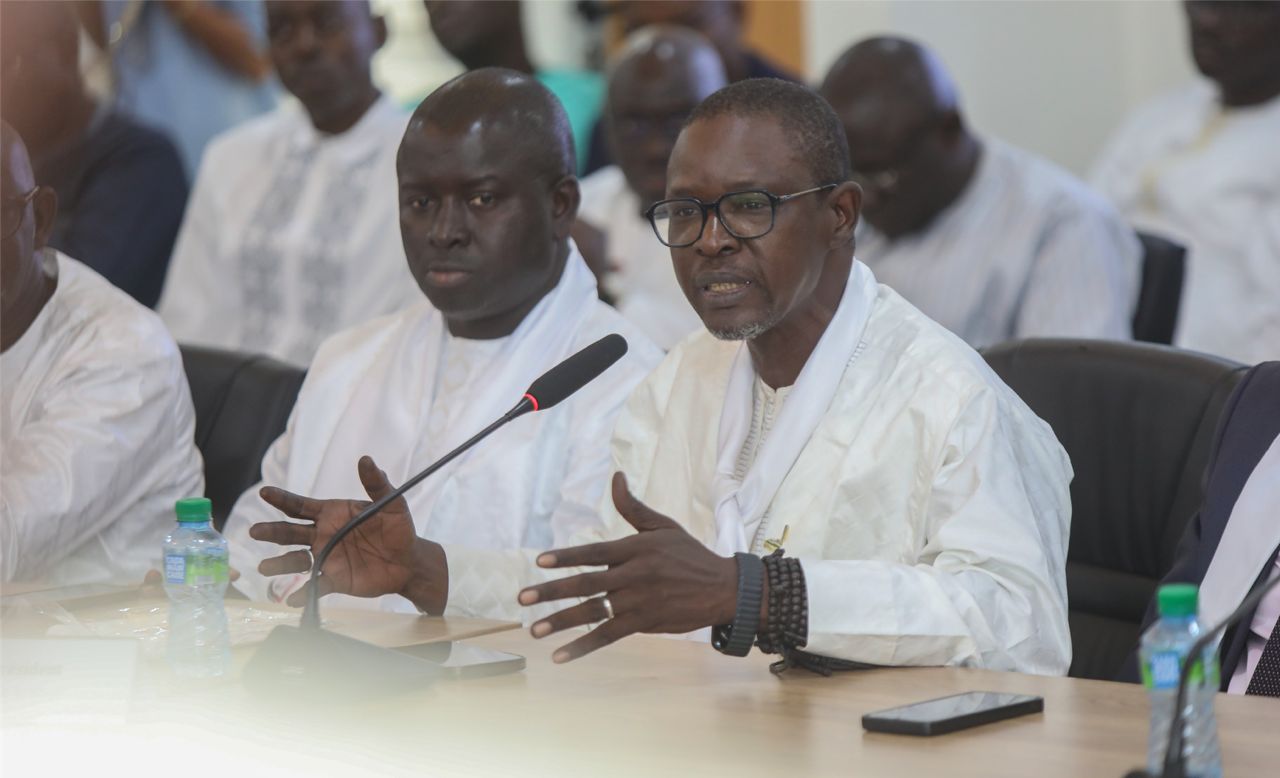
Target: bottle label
195, 570
1163, 669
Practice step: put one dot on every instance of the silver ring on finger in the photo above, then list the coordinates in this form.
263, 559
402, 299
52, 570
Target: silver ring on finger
608, 608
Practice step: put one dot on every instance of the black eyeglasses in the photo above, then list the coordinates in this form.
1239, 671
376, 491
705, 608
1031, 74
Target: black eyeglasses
14, 211
748, 214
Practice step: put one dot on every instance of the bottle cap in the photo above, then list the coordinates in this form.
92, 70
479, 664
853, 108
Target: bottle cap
1177, 600
194, 510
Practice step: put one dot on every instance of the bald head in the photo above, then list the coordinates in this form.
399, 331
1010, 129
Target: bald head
26, 281
43, 90
521, 115
908, 143
656, 81
16, 172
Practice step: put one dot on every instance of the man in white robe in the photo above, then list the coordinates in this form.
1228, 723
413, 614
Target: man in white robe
988, 240
486, 179
290, 234
96, 423
927, 506
1201, 166
659, 77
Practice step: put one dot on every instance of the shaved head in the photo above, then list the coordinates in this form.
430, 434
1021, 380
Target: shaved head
656, 81
27, 276
43, 93
908, 143
509, 104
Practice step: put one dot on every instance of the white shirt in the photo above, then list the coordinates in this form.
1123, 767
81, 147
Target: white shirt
405, 391
1209, 178
929, 507
1025, 251
290, 235
98, 437
640, 275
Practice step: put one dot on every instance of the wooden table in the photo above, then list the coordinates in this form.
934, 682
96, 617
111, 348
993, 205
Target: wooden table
659, 707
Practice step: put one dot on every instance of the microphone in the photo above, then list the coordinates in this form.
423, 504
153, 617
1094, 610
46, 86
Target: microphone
547, 391
1175, 765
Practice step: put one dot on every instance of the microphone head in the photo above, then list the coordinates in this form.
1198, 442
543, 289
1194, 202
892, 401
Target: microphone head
575, 372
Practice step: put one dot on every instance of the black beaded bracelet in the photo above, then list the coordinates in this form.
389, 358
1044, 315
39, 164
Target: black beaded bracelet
788, 611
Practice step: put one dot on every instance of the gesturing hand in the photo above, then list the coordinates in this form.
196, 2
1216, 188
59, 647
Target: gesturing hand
376, 558
659, 580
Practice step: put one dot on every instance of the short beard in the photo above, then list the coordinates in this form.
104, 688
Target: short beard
748, 331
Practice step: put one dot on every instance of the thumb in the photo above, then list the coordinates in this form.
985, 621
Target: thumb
637, 514
372, 478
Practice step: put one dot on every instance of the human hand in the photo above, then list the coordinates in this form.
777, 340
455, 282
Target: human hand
378, 557
661, 579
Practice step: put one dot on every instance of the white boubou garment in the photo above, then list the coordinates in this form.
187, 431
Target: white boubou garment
393, 389
927, 504
290, 235
96, 437
1208, 177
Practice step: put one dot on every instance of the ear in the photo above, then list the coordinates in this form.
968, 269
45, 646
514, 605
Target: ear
379, 32
565, 198
845, 202
45, 208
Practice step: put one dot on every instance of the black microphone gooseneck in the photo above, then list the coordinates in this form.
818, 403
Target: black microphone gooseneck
549, 389
1175, 765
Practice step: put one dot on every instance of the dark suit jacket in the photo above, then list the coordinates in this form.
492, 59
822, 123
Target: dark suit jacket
1249, 424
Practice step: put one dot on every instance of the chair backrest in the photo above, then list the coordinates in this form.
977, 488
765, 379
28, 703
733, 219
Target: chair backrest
1137, 421
1163, 267
242, 403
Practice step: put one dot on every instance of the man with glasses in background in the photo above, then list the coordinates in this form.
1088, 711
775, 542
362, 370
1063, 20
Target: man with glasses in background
96, 424
988, 240
659, 77
291, 232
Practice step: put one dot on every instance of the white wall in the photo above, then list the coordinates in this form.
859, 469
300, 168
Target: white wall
1054, 76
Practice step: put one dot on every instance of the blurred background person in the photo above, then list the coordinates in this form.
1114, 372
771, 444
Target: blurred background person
291, 233
490, 33
190, 67
121, 186
658, 78
96, 425
990, 241
1202, 166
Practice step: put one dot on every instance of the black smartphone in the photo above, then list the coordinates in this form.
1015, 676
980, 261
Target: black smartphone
463, 660
948, 714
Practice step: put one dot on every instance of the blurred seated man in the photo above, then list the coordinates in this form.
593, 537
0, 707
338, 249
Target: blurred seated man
121, 187
1233, 545
96, 425
291, 232
657, 80
490, 34
719, 21
487, 197
1202, 166
989, 241
922, 508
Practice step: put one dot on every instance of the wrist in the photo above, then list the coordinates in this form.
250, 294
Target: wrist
735, 638
428, 584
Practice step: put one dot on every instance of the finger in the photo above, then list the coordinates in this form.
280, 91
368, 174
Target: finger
608, 632
299, 598
290, 504
283, 533
637, 514
233, 573
293, 562
589, 612
374, 480
582, 585
152, 578
611, 552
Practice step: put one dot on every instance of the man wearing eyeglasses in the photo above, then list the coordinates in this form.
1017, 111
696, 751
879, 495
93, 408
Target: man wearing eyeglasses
988, 240
825, 473
96, 423
291, 231
661, 74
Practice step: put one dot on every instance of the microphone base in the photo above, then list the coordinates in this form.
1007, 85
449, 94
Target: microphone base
295, 661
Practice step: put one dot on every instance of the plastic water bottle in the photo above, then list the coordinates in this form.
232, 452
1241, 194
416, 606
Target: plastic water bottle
1163, 653
195, 578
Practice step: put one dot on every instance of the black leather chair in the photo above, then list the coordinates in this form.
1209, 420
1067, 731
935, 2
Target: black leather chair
1163, 268
1137, 421
242, 403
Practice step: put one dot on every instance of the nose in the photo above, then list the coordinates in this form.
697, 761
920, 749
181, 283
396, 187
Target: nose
715, 239
305, 41
449, 228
